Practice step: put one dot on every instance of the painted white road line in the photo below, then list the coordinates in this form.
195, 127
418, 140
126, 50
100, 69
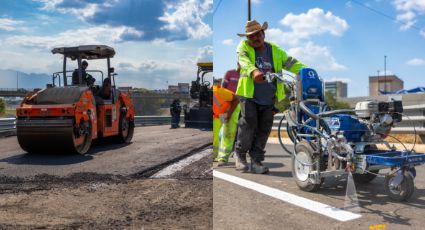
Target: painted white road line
169, 170
320, 208
275, 140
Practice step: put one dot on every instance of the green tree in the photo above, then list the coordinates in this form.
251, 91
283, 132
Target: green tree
2, 107
146, 103
333, 103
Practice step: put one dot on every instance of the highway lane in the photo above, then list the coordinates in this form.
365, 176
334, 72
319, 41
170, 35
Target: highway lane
151, 146
236, 207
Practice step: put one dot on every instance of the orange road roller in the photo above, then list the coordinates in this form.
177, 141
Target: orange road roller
71, 112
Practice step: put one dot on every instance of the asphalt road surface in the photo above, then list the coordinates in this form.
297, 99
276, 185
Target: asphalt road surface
111, 187
237, 207
151, 146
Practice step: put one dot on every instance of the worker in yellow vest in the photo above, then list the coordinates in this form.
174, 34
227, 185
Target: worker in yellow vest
224, 103
256, 58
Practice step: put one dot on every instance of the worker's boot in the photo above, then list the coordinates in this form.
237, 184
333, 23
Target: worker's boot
241, 163
258, 168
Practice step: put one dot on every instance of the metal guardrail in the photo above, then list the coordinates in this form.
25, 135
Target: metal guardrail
413, 121
153, 120
8, 127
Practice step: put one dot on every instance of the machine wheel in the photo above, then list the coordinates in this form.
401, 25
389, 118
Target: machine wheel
364, 178
82, 137
402, 192
279, 135
126, 129
304, 154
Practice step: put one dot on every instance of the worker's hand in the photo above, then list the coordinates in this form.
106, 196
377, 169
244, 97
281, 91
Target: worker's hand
258, 76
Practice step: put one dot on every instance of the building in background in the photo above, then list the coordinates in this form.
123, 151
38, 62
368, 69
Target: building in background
179, 88
183, 87
337, 88
173, 88
384, 83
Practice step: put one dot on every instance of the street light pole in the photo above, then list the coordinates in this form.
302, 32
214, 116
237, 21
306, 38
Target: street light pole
378, 81
249, 10
385, 73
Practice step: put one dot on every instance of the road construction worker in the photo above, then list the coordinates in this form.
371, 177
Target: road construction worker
105, 91
175, 110
87, 79
216, 119
231, 79
229, 127
257, 97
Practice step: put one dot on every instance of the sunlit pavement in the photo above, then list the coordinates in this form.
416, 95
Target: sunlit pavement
237, 207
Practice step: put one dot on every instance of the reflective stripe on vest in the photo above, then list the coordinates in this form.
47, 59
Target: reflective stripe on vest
216, 101
290, 61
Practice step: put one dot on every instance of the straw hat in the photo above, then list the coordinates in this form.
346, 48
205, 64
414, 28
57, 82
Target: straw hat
253, 27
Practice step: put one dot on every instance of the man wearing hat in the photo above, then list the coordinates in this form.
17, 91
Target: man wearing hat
257, 97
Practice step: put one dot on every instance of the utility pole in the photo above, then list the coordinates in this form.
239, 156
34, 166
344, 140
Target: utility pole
17, 80
378, 81
249, 10
385, 73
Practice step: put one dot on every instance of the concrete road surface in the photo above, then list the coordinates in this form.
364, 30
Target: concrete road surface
237, 207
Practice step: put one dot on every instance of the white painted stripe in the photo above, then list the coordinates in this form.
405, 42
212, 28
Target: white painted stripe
171, 169
320, 208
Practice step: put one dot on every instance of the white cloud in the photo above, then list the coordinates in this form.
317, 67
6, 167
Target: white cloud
9, 24
305, 25
186, 16
81, 9
302, 28
416, 62
281, 37
257, 1
316, 56
205, 54
91, 35
155, 74
408, 11
314, 22
228, 42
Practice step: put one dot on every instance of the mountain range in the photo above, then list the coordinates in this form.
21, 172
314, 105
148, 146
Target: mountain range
8, 79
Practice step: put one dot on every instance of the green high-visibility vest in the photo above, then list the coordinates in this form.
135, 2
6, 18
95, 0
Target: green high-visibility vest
246, 58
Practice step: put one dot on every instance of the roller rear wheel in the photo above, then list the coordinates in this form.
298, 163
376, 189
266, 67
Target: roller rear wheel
126, 129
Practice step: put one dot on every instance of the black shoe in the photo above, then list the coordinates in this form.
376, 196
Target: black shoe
259, 168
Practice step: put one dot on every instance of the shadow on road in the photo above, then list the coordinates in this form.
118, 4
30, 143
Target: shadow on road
62, 158
372, 195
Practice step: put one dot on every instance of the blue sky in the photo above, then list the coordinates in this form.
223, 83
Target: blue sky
156, 41
339, 38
